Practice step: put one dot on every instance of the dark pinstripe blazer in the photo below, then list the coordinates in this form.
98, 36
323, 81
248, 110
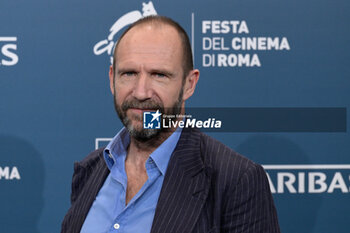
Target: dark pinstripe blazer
207, 188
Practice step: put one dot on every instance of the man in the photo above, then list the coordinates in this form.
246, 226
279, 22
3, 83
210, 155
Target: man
158, 180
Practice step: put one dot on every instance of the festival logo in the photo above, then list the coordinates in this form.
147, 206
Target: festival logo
107, 45
231, 43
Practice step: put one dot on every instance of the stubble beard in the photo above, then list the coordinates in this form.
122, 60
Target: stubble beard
138, 132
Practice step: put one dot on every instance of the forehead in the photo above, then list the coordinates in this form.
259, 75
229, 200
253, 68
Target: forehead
159, 41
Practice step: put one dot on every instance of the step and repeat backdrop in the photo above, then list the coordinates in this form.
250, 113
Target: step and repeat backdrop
276, 73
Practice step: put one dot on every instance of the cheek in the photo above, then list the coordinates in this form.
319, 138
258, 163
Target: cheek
124, 88
169, 97
120, 92
118, 98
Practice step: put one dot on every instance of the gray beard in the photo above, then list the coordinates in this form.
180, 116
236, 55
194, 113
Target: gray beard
141, 134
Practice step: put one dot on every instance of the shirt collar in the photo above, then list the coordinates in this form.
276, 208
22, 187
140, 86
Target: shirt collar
161, 156
117, 147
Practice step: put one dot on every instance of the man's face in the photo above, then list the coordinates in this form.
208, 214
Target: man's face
148, 76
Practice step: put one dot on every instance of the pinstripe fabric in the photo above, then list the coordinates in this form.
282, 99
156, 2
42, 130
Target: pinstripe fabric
89, 176
207, 188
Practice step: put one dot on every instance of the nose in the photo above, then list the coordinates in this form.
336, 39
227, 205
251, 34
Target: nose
142, 89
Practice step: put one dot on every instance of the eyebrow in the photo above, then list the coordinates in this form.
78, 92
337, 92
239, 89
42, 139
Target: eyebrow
123, 70
161, 71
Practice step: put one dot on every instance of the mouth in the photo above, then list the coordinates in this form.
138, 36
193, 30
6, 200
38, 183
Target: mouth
141, 110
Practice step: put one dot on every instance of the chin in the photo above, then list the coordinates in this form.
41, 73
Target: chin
143, 134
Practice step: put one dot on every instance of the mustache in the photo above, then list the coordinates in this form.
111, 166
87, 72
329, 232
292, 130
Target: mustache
146, 104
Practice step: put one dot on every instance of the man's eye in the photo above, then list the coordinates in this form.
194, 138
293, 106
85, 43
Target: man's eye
128, 74
159, 75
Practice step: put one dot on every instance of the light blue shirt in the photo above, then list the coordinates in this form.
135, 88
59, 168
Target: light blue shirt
109, 213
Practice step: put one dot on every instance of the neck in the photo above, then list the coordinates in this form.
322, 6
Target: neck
140, 150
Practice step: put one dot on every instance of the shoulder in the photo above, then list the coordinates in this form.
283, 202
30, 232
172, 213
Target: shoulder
227, 165
216, 153
242, 188
91, 160
84, 169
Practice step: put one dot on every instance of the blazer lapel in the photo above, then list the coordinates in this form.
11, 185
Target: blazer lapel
185, 187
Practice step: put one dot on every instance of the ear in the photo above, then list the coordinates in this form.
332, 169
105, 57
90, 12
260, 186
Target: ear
190, 84
111, 79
